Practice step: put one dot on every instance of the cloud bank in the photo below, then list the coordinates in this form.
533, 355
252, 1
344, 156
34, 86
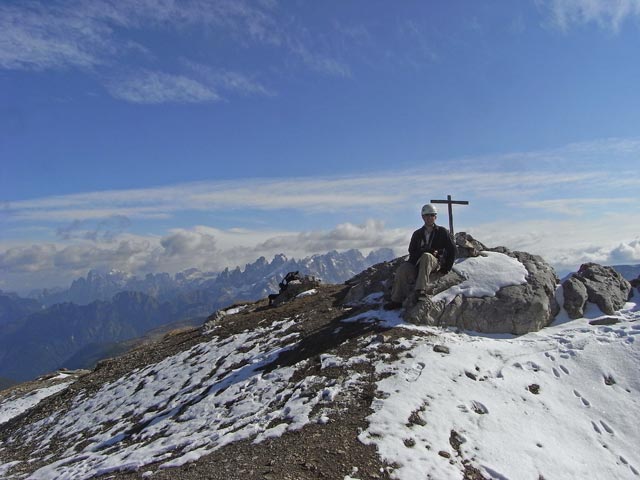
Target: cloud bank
561, 204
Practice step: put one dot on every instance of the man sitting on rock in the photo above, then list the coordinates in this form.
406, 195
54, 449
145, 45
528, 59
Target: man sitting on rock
431, 250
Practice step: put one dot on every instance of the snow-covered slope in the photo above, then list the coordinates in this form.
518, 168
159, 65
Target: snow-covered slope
559, 403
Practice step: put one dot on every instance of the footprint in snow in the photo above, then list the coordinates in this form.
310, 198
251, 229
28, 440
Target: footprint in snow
413, 373
584, 401
607, 428
564, 370
549, 356
631, 467
479, 408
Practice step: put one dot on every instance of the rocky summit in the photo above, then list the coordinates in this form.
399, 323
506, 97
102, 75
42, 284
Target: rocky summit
329, 385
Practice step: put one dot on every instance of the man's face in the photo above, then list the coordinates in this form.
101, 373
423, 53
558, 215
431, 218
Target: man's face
429, 219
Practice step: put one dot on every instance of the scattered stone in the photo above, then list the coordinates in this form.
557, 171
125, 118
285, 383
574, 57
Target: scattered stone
534, 388
444, 454
470, 375
409, 442
455, 440
603, 285
609, 380
479, 408
440, 349
380, 338
416, 419
605, 321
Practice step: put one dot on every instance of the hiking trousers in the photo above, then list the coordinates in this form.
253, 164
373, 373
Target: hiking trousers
410, 277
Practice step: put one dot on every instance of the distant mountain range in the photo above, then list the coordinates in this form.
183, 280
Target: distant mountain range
256, 279
78, 326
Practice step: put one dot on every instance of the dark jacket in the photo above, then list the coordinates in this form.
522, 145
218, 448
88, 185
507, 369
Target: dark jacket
441, 243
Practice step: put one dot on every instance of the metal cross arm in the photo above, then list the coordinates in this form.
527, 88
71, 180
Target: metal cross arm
450, 204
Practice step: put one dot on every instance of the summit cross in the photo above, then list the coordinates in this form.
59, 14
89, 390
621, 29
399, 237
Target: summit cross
450, 204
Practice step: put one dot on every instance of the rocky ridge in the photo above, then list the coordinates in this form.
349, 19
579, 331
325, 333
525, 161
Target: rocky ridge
329, 385
115, 308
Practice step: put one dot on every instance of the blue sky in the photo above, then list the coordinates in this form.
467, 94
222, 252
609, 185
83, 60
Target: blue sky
158, 135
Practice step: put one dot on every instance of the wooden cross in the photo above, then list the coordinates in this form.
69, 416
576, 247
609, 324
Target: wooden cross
450, 203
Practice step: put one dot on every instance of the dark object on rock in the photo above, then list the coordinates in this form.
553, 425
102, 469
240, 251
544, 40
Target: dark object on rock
597, 284
288, 278
291, 286
440, 349
605, 321
609, 380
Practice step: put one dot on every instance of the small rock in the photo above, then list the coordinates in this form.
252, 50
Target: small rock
444, 454
441, 349
409, 442
534, 388
605, 321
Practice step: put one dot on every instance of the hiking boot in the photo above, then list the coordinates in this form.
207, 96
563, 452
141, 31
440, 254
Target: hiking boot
392, 305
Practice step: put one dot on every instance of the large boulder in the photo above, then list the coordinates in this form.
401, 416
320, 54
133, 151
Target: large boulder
575, 297
597, 284
515, 309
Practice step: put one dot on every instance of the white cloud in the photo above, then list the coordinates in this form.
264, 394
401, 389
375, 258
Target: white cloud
227, 80
206, 248
561, 204
158, 87
577, 206
370, 235
102, 38
608, 14
566, 244
36, 37
380, 191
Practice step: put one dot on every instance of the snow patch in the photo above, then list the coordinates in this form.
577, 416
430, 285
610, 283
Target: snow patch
15, 406
485, 276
